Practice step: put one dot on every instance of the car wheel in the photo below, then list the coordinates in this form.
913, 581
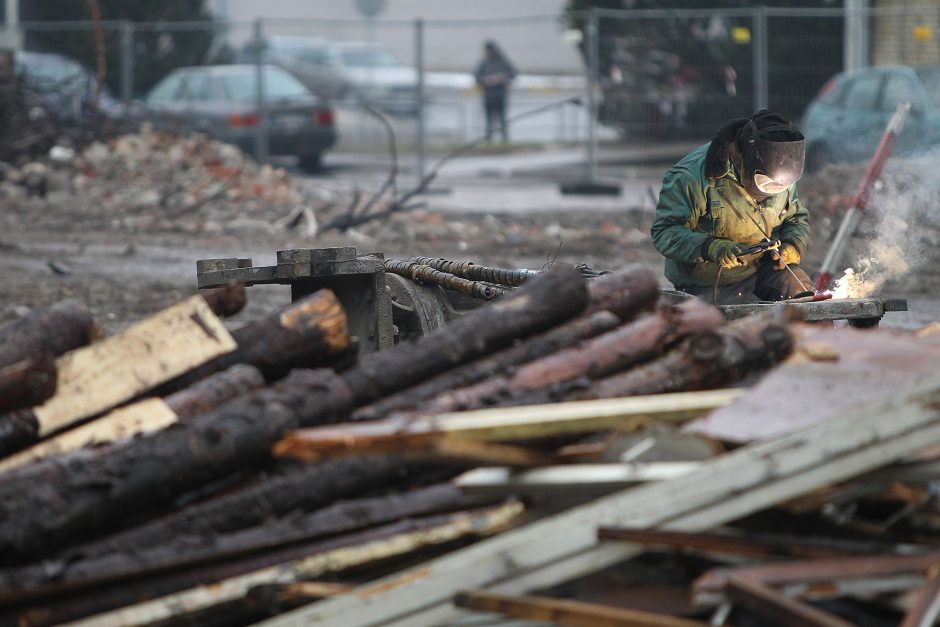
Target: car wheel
311, 163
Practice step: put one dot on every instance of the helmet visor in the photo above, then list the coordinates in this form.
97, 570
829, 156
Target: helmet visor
778, 163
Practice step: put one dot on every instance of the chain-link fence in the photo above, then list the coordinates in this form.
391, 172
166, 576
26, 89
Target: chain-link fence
650, 75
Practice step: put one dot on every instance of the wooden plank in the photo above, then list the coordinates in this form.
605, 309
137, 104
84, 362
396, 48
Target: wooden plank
569, 478
510, 423
739, 544
463, 450
145, 416
96, 378
926, 607
567, 612
779, 609
480, 523
565, 546
826, 571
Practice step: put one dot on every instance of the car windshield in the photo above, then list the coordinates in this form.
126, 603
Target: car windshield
368, 57
278, 85
930, 77
54, 72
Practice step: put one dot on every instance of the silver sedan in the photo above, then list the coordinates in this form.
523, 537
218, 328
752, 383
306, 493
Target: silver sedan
220, 100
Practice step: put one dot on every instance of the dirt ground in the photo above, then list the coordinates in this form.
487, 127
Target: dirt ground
127, 255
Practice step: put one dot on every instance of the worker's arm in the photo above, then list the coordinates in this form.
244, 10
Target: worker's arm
795, 226
681, 204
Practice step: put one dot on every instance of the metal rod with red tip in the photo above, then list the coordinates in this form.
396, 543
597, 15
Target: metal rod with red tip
853, 215
815, 298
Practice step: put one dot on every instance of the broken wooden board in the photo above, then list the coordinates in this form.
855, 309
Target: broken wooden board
567, 612
449, 528
139, 418
96, 378
565, 546
570, 478
831, 372
823, 578
509, 423
926, 607
778, 608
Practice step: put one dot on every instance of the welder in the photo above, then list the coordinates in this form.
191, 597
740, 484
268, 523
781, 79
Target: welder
729, 221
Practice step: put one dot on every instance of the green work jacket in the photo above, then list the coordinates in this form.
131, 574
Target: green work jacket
694, 209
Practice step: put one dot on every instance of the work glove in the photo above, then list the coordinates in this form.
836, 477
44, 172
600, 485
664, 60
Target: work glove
724, 252
788, 256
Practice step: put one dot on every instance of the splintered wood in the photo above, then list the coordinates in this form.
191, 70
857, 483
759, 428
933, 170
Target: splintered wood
114, 370
500, 424
182, 474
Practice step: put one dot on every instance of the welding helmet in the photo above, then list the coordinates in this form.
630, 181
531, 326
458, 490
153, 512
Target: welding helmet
772, 153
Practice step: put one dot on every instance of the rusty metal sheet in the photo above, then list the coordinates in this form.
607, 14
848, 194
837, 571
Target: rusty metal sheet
832, 371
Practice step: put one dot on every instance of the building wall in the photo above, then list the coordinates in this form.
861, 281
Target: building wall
534, 45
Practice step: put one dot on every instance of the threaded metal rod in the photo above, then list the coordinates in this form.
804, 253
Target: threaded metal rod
473, 272
427, 274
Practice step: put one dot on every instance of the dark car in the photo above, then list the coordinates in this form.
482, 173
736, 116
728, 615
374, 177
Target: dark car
63, 87
846, 119
219, 100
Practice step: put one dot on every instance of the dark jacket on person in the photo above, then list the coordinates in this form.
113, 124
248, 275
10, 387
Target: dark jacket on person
702, 199
493, 75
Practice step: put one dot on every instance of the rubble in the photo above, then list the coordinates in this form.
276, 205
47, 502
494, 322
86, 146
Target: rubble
151, 180
241, 476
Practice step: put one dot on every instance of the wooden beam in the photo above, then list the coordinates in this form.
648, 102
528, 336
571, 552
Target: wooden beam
569, 478
819, 571
737, 544
777, 608
465, 450
456, 526
926, 607
143, 417
146, 416
565, 546
567, 612
103, 375
510, 423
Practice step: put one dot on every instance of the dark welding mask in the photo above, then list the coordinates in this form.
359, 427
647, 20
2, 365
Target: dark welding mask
772, 153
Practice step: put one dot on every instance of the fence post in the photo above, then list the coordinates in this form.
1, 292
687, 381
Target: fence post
591, 36
760, 58
261, 131
420, 139
127, 61
11, 36
855, 35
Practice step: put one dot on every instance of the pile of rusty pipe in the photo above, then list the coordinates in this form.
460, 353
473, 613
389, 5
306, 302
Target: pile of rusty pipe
474, 272
428, 275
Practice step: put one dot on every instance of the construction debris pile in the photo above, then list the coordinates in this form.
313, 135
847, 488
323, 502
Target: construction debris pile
150, 180
179, 473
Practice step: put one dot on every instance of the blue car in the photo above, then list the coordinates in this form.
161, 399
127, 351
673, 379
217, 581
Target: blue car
846, 119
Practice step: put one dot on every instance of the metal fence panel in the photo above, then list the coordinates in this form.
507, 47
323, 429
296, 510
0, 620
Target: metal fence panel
658, 75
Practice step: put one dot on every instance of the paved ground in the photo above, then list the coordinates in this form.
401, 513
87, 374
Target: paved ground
501, 207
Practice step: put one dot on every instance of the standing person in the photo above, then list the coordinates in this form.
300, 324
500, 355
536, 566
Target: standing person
731, 194
493, 75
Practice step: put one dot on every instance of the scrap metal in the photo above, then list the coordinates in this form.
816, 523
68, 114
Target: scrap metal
427, 274
474, 272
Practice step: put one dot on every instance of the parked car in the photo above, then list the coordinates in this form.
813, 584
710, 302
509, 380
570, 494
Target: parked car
846, 119
344, 71
63, 87
219, 100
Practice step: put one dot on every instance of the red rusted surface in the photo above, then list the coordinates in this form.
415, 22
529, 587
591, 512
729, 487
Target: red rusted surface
832, 371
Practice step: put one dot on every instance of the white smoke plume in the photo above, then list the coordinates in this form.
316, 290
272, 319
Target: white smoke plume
898, 230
